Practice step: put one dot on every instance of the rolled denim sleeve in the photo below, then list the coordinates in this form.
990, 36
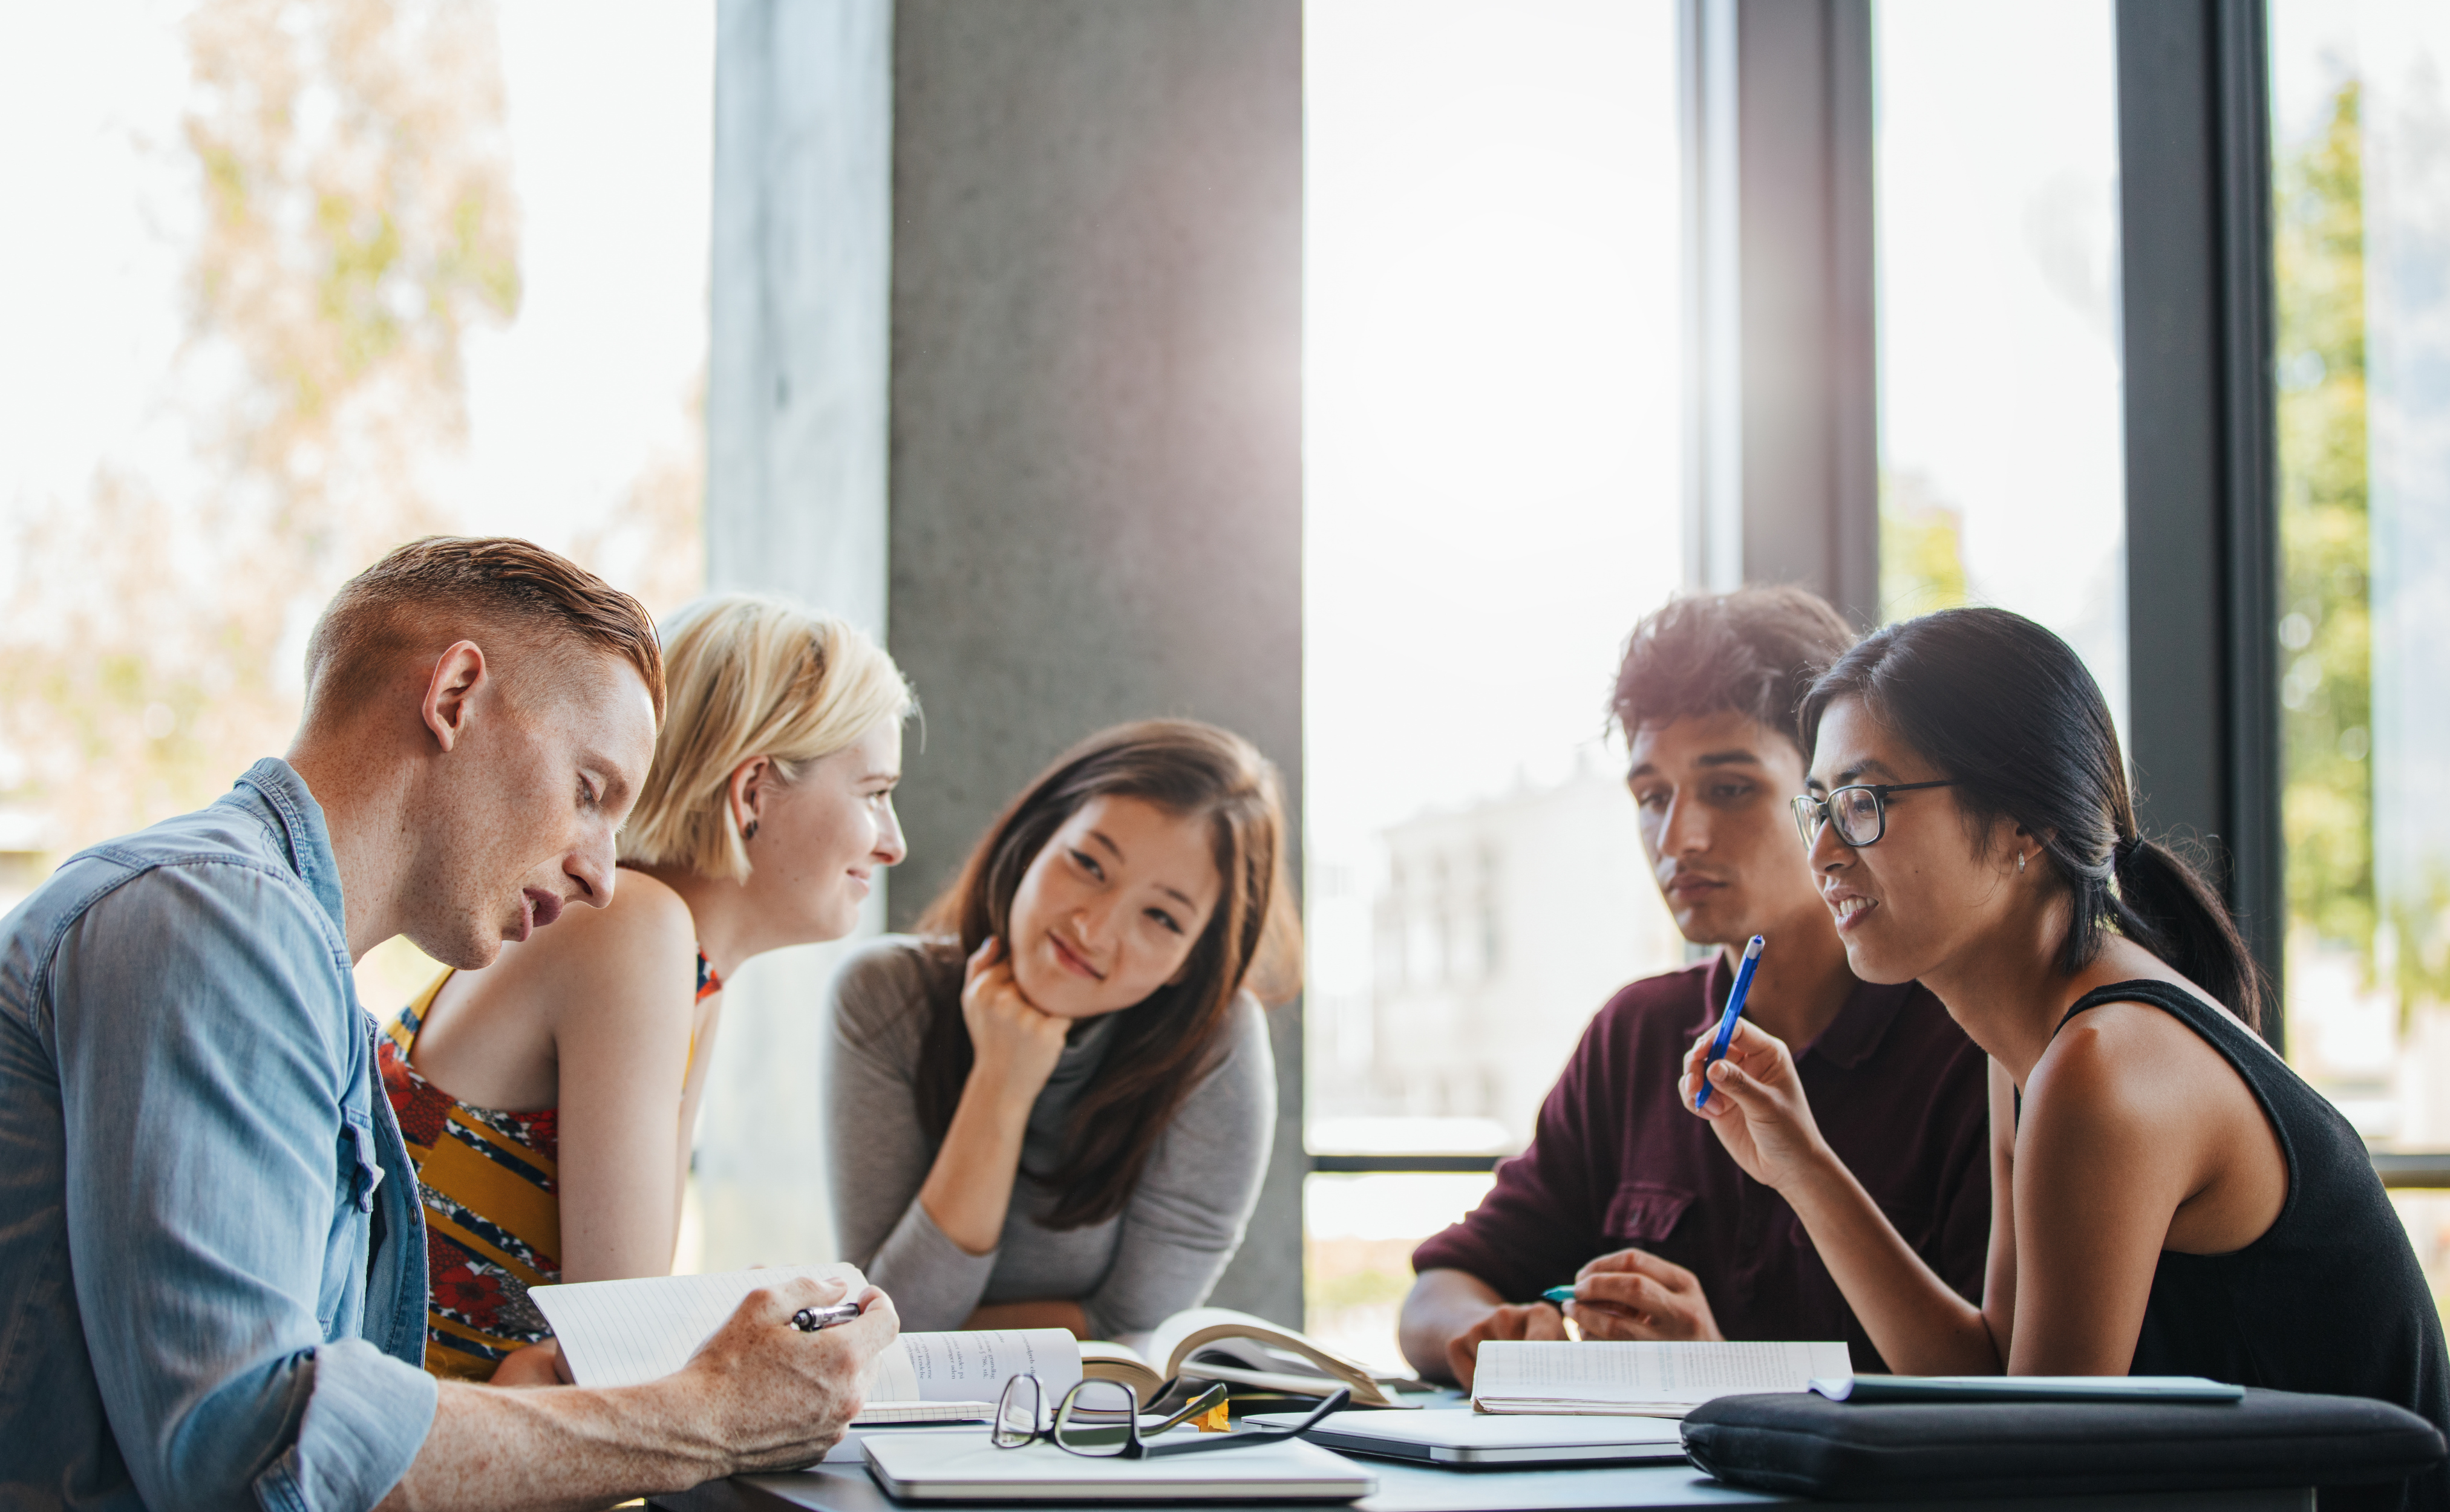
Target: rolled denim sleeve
216, 1182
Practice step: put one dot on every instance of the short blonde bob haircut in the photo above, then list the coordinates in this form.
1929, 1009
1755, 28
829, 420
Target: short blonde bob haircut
750, 674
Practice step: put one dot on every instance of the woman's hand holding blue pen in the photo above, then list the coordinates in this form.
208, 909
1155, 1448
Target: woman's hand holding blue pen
1757, 1109
1759, 1112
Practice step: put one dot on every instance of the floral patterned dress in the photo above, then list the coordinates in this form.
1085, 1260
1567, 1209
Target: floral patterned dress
492, 1208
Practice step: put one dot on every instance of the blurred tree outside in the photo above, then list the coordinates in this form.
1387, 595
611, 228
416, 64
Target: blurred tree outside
653, 544
2327, 686
1922, 548
354, 221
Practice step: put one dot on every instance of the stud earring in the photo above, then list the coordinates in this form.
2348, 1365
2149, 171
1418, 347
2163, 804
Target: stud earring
749, 832
2020, 858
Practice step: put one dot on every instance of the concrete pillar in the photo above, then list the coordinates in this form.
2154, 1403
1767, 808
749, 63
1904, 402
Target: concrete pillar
796, 447
1096, 417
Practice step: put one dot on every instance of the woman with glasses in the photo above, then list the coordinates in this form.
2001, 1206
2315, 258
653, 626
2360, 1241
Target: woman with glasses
1053, 1106
2169, 1198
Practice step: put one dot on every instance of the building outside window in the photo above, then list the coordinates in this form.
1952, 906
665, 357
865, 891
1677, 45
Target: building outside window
1491, 501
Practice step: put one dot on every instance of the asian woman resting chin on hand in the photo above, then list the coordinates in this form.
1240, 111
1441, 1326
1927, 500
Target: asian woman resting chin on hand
1053, 1107
2169, 1198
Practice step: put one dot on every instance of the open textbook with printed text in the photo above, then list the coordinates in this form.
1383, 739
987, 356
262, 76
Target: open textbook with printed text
1218, 1343
1655, 1380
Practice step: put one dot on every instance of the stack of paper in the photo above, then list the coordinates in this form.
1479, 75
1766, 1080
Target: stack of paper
1655, 1380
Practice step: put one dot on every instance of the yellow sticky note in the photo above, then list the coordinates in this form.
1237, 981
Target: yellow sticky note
1213, 1420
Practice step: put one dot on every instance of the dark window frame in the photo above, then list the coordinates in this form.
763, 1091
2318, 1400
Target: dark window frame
2201, 472
2203, 556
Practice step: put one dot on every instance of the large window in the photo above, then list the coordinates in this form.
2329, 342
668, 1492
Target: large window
283, 287
2001, 460
2361, 235
1492, 502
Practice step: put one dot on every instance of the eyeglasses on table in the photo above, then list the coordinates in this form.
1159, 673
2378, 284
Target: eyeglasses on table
1101, 1419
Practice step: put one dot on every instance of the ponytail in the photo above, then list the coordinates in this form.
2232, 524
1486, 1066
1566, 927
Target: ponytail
2007, 710
2164, 905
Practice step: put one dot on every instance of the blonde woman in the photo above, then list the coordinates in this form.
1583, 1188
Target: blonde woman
549, 1099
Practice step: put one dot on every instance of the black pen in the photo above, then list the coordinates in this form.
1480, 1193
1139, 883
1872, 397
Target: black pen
808, 1319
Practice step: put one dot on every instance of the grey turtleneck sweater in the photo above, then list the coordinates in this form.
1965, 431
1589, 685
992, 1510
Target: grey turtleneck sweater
1130, 1274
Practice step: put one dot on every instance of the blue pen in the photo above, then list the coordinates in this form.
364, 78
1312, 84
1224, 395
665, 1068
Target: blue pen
1727, 1020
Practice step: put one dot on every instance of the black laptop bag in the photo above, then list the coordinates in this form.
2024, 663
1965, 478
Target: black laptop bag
1800, 1443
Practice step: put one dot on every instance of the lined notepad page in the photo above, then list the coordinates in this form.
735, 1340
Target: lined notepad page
900, 1414
1627, 1376
617, 1333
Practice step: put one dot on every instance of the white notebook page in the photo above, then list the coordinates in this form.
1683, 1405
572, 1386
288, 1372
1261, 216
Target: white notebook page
1606, 1374
617, 1333
974, 1367
625, 1332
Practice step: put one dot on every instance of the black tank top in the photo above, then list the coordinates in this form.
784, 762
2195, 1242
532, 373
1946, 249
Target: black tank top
2330, 1299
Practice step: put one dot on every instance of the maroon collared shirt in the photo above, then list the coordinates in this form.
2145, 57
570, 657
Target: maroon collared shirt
1900, 1095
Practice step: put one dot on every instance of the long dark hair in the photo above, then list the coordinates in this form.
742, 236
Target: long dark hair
2008, 711
1163, 1044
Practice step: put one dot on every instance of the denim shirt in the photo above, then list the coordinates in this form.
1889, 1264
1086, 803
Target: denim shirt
212, 1264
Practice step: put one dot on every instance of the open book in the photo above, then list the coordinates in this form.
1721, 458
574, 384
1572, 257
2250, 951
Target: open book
625, 1332
1651, 1380
1218, 1343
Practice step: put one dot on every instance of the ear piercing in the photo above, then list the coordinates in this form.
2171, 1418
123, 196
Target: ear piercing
2020, 858
749, 832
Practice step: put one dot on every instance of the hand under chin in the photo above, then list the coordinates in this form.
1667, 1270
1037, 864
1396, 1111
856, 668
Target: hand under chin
1065, 996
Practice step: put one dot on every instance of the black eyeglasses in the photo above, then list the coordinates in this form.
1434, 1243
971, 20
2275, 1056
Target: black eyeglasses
1101, 1419
1860, 811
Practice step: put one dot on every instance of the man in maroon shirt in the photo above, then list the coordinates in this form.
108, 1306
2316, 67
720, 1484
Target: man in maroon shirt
1622, 1191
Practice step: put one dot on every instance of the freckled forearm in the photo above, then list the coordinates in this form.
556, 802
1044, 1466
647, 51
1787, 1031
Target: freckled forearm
560, 1449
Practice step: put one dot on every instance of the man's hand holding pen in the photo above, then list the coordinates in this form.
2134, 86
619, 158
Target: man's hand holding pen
1634, 1294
